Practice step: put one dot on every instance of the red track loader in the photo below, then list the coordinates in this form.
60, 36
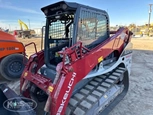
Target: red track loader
84, 68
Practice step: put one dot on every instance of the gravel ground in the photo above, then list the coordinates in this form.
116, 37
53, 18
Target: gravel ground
139, 99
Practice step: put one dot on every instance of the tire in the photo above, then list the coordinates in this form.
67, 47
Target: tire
12, 66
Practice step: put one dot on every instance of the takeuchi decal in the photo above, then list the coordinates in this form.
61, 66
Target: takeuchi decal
66, 93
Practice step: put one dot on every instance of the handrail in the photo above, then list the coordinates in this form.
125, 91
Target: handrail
42, 30
33, 44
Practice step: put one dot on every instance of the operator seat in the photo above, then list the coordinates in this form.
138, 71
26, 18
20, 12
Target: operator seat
54, 60
49, 73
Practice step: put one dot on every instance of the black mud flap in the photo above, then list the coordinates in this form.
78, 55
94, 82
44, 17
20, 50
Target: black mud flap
5, 94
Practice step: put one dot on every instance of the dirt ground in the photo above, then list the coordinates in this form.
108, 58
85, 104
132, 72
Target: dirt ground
30, 49
139, 44
139, 100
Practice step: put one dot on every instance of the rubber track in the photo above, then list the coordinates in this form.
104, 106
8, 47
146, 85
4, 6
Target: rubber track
81, 102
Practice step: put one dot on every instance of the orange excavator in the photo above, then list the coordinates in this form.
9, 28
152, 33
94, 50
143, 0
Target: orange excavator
11, 57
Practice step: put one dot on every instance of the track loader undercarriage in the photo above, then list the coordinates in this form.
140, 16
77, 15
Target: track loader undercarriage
100, 93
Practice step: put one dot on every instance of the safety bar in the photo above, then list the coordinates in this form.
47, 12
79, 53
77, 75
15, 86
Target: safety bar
33, 44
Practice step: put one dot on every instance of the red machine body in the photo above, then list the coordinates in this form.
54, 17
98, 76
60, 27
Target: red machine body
73, 72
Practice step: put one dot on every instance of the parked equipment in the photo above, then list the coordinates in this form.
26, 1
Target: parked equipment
82, 70
11, 57
22, 23
25, 33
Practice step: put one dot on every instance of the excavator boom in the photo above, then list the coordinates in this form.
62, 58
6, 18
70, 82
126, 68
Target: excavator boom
22, 23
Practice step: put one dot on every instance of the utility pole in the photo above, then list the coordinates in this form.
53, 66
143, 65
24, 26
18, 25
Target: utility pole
150, 10
9, 27
29, 23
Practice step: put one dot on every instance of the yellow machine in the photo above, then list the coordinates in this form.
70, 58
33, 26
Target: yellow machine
150, 31
26, 32
141, 30
22, 23
135, 29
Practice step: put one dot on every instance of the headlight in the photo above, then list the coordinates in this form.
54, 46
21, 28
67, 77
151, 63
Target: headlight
46, 11
64, 6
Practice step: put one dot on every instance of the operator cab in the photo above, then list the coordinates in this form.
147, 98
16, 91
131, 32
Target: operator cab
67, 23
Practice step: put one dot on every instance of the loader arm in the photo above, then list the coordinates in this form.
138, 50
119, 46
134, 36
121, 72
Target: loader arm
73, 74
